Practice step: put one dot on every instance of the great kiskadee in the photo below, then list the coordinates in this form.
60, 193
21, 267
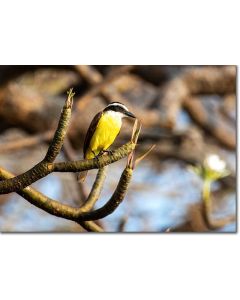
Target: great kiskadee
103, 130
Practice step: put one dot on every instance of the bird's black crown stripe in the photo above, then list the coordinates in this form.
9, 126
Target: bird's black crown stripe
115, 107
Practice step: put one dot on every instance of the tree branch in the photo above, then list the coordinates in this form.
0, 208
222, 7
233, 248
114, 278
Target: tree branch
95, 163
95, 191
114, 201
61, 130
43, 169
76, 214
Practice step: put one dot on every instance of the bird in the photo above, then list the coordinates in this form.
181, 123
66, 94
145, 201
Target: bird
103, 131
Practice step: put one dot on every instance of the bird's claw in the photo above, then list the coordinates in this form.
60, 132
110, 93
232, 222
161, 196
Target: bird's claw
108, 152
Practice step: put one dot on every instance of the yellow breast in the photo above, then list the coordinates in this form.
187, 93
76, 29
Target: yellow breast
106, 132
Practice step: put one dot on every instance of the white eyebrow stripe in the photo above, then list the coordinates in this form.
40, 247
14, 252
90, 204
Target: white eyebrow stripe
118, 104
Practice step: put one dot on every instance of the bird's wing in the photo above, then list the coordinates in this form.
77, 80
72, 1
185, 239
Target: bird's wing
90, 132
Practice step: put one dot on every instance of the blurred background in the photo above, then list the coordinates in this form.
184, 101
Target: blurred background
188, 112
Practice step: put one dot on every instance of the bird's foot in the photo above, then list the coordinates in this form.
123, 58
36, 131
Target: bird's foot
108, 152
98, 155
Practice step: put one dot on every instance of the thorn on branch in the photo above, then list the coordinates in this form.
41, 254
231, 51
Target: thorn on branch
139, 159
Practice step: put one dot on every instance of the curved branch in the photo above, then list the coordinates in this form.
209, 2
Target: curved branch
95, 191
114, 201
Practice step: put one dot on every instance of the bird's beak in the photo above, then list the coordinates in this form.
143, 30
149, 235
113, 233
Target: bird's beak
129, 114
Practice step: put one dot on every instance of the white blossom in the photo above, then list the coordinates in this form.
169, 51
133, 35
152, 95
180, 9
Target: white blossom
214, 163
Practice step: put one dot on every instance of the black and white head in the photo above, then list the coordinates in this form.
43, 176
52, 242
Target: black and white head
119, 110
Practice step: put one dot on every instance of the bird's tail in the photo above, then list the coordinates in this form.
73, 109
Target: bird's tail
81, 176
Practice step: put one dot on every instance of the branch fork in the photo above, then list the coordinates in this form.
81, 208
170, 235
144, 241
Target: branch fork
84, 215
